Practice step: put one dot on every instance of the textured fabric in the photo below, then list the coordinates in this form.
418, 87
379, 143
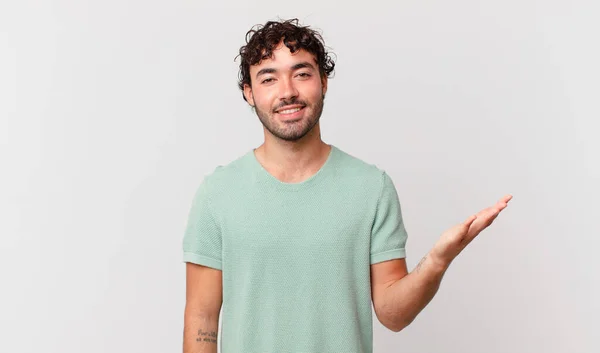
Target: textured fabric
295, 256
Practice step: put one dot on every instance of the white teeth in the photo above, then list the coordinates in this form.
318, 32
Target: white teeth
289, 111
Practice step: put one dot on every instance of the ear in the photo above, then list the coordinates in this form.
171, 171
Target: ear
248, 94
324, 82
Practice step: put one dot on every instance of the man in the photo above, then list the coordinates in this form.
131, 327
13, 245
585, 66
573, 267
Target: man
296, 238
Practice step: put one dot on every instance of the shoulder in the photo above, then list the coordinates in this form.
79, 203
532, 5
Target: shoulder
223, 176
361, 169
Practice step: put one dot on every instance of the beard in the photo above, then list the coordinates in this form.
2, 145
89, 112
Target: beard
292, 131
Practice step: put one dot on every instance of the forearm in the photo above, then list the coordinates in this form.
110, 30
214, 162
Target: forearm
200, 332
407, 297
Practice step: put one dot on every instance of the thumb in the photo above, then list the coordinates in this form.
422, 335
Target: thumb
469, 221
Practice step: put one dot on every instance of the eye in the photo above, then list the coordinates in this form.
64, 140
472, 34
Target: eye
267, 80
304, 74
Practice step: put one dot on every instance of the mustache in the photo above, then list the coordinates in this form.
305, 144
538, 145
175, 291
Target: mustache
290, 102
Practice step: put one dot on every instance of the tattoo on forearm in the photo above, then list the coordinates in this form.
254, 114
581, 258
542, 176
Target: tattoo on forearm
207, 336
418, 268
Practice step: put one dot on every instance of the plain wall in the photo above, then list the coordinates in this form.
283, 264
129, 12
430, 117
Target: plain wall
111, 113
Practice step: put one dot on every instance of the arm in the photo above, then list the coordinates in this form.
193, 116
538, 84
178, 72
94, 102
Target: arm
399, 297
202, 309
400, 300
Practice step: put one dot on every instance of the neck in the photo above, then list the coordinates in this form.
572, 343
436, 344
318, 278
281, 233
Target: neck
293, 161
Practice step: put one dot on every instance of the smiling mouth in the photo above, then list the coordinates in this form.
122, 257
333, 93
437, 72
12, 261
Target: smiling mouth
291, 114
290, 111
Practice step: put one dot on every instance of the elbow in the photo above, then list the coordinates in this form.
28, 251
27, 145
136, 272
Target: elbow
397, 324
397, 327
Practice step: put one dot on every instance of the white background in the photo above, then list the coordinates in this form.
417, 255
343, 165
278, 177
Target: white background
111, 112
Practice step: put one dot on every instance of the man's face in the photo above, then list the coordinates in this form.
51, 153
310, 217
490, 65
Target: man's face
287, 93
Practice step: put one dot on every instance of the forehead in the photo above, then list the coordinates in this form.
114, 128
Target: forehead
283, 58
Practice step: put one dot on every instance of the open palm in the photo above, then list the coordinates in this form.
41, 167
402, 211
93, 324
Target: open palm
455, 239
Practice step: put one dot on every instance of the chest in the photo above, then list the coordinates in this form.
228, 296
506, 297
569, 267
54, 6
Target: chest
292, 225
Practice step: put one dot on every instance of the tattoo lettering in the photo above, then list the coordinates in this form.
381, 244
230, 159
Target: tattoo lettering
418, 268
205, 336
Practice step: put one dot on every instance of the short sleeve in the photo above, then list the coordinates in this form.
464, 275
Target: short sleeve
202, 239
388, 235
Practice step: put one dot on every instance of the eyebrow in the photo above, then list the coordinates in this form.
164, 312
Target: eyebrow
270, 70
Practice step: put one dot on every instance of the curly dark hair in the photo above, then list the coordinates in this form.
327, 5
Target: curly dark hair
261, 40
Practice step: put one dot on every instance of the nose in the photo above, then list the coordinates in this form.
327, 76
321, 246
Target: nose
287, 89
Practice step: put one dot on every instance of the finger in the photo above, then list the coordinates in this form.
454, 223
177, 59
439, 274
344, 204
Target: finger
495, 216
503, 201
488, 212
501, 204
486, 216
506, 198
